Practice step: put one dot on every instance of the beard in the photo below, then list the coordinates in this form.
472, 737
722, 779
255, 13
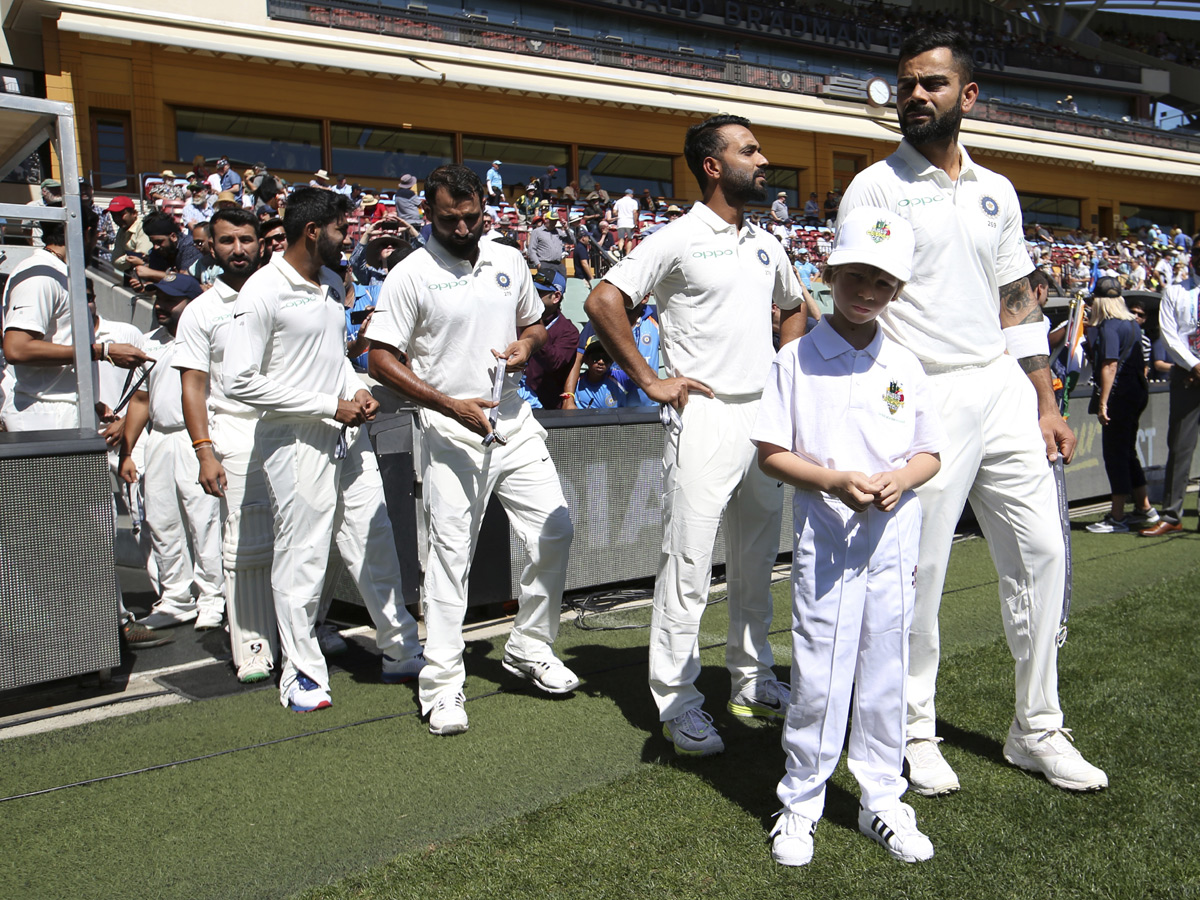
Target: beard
329, 250
461, 247
937, 128
741, 187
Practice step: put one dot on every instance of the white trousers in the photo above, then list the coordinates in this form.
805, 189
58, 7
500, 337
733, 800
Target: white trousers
248, 539
302, 480
997, 459
364, 538
460, 476
39, 415
852, 602
711, 467
184, 523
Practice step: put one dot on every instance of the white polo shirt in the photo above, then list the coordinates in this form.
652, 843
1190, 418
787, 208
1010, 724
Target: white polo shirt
627, 211
850, 410
201, 340
163, 385
969, 242
112, 379
448, 315
714, 285
36, 299
1179, 321
286, 353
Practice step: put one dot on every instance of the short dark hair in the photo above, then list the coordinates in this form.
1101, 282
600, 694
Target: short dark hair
238, 218
313, 205
1041, 276
159, 223
704, 139
54, 234
931, 39
460, 181
268, 226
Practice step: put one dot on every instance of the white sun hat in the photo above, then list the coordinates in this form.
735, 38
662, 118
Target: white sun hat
874, 237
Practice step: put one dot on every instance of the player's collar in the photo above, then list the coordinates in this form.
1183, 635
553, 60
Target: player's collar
923, 168
830, 344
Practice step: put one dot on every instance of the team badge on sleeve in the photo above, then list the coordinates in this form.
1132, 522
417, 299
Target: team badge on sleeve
764, 257
989, 206
503, 280
894, 397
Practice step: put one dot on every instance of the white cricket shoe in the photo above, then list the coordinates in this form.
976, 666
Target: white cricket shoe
928, 772
550, 675
330, 642
765, 700
896, 830
169, 614
449, 714
792, 839
207, 619
1052, 752
398, 671
307, 696
693, 734
256, 668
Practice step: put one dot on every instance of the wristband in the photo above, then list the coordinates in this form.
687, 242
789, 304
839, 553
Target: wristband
104, 347
1024, 341
196, 445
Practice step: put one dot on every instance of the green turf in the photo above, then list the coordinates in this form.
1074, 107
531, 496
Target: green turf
580, 796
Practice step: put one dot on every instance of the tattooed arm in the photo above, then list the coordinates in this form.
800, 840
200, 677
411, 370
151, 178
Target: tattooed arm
1018, 307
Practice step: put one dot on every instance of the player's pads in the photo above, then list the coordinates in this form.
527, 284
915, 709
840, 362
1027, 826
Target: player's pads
247, 551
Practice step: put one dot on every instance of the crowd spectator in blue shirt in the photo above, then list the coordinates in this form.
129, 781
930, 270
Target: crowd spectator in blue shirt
805, 268
230, 180
597, 389
643, 320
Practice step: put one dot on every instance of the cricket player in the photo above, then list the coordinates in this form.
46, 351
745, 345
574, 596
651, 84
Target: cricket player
184, 521
465, 312
286, 357
714, 277
970, 317
222, 434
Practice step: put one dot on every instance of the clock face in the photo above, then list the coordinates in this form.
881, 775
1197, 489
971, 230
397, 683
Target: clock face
879, 92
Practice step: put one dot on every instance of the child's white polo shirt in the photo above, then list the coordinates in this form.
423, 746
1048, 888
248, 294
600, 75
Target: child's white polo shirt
851, 410
714, 285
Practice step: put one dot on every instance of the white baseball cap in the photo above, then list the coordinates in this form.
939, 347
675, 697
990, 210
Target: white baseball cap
875, 237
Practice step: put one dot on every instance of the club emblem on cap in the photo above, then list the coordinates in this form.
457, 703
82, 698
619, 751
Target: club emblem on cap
894, 397
880, 233
170, 276
503, 280
764, 257
990, 207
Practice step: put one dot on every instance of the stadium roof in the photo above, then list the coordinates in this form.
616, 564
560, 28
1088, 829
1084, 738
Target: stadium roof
1122, 6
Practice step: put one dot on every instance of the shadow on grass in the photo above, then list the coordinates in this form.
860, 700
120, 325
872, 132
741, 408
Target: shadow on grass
981, 745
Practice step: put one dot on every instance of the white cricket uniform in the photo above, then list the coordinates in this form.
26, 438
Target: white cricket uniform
714, 285
36, 299
248, 534
184, 522
286, 356
868, 411
448, 315
968, 244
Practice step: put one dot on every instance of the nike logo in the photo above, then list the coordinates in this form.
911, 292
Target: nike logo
238, 315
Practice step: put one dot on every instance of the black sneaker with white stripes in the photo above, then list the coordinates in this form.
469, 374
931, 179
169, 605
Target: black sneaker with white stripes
896, 830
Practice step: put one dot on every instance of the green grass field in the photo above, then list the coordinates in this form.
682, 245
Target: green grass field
580, 797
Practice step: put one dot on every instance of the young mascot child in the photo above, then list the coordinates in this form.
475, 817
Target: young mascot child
847, 420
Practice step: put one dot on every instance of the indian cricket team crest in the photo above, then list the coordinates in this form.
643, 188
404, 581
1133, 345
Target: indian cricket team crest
764, 257
880, 233
990, 207
894, 397
503, 280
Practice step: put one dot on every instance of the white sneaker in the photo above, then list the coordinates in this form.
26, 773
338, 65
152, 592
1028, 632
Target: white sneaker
256, 668
550, 675
792, 839
1053, 754
1138, 519
1109, 525
208, 619
168, 614
928, 773
398, 671
307, 696
449, 714
765, 700
330, 642
896, 830
693, 734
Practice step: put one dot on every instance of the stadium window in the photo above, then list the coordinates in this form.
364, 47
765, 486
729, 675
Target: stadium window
292, 145
1055, 212
363, 151
1145, 216
519, 161
788, 181
616, 170
845, 167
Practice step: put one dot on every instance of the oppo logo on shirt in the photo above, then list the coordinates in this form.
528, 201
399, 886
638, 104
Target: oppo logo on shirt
711, 254
920, 201
448, 285
299, 301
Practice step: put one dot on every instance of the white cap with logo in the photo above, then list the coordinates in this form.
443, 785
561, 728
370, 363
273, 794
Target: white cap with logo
875, 237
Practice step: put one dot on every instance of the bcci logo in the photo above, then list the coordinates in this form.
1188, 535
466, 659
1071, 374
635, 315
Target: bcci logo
990, 207
503, 280
894, 397
879, 234
764, 257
